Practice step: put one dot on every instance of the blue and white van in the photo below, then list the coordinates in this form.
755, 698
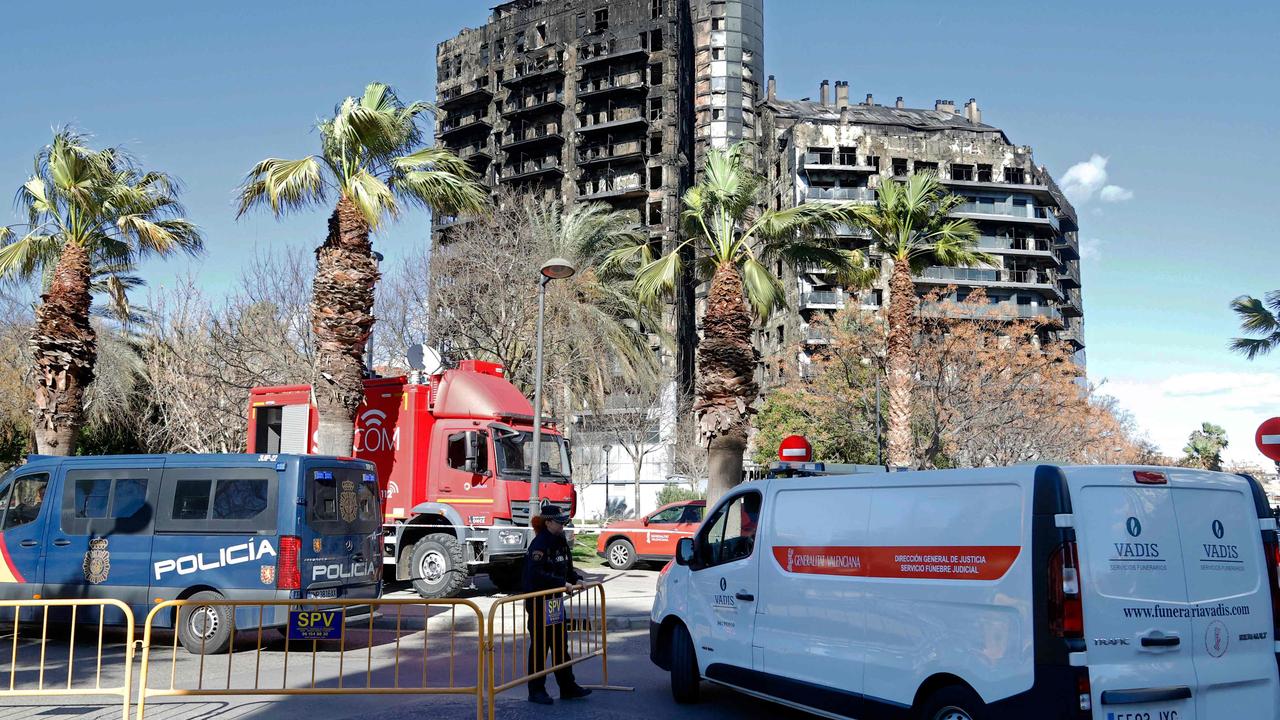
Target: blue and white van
144, 529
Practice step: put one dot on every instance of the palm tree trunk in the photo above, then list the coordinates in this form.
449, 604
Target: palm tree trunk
726, 383
63, 354
902, 313
341, 318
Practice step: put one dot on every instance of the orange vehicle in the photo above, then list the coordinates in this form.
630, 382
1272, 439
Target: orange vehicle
653, 538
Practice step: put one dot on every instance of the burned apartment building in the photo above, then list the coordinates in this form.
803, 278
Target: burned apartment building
832, 150
590, 100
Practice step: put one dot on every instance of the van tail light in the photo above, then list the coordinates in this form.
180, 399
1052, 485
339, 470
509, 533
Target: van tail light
1066, 613
573, 502
1272, 548
288, 576
1150, 477
1085, 694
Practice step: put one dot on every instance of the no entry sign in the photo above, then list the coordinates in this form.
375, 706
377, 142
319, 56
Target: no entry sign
796, 448
1268, 438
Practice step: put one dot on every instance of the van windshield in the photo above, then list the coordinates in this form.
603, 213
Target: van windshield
343, 501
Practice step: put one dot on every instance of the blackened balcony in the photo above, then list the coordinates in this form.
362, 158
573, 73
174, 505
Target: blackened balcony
835, 162
611, 120
530, 169
1039, 279
991, 311
862, 194
526, 138
611, 189
631, 48
822, 300
455, 126
611, 153
537, 70
1069, 275
476, 95
515, 107
597, 87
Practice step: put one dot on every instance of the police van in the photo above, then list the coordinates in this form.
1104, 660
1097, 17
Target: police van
1113, 593
144, 529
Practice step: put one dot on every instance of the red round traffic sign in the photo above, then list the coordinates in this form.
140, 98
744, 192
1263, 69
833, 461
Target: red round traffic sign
1268, 438
795, 448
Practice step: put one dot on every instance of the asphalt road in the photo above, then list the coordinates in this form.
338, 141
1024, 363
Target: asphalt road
370, 659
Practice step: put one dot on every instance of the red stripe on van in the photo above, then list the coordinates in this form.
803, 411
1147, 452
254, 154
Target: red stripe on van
968, 562
8, 562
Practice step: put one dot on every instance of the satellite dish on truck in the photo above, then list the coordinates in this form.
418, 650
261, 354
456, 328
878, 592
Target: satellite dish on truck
425, 359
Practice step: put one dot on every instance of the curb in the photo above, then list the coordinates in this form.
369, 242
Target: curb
627, 622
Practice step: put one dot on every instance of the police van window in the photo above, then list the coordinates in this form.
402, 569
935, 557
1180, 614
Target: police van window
130, 496
92, 497
25, 500
343, 501
731, 533
191, 500
239, 499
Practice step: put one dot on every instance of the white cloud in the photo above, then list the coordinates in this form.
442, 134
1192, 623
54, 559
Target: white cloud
1090, 249
1115, 193
1169, 408
1085, 179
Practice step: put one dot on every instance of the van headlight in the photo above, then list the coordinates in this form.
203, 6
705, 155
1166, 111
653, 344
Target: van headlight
511, 537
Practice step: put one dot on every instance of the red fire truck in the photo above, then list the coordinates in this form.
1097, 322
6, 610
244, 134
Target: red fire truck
453, 456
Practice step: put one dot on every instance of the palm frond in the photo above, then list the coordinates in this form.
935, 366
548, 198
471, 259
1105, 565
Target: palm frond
373, 196
1253, 348
1254, 315
656, 280
762, 289
283, 185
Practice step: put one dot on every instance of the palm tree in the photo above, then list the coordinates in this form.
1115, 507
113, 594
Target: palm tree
735, 244
910, 226
371, 157
91, 214
601, 303
1258, 317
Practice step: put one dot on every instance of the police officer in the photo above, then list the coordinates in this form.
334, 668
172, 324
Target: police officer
548, 565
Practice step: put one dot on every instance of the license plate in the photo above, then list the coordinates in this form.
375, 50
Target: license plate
1144, 714
326, 594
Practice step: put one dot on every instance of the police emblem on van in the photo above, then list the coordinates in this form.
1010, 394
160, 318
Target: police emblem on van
348, 505
97, 561
267, 574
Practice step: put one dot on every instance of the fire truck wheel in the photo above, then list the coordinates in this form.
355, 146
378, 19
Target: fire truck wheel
685, 681
205, 628
507, 578
621, 554
438, 567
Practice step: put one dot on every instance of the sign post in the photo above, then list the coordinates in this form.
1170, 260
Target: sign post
1268, 438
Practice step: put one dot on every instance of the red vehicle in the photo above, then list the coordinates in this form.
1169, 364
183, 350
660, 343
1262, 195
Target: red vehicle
453, 457
623, 543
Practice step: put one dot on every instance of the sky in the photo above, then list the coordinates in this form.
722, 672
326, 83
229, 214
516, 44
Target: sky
1158, 118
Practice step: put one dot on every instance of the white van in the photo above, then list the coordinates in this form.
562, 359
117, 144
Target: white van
1116, 593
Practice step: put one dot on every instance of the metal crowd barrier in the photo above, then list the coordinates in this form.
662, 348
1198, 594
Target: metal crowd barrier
581, 635
40, 658
384, 647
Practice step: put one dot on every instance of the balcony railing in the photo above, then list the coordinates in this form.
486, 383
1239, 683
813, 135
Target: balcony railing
537, 69
628, 81
530, 168
822, 299
1000, 242
599, 153
817, 335
608, 119
464, 122
460, 96
549, 132
609, 188
1028, 212
841, 193
992, 311
1070, 275
514, 106
612, 50
989, 275
833, 159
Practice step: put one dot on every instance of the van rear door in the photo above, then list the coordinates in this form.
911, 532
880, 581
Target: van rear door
1227, 585
1139, 637
341, 538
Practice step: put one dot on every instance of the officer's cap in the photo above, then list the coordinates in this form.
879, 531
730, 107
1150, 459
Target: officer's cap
554, 512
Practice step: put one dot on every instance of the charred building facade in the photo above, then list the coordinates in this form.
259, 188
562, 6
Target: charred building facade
832, 150
591, 100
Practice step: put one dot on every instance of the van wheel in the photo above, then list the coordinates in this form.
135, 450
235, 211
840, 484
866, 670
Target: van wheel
954, 703
205, 628
621, 554
685, 681
437, 566
508, 578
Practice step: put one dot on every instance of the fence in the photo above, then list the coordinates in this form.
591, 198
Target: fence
353, 647
34, 664
517, 649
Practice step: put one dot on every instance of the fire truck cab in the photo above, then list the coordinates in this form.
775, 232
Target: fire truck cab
453, 455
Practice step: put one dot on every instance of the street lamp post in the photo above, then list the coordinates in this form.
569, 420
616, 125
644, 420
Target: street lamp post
553, 269
606, 450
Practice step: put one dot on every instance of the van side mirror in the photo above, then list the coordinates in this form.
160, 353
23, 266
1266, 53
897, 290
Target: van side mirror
645, 521
473, 451
684, 551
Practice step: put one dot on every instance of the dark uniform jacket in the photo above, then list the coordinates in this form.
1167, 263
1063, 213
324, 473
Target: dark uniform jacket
548, 565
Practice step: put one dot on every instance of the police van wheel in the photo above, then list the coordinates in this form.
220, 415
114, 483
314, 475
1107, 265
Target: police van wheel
438, 567
954, 703
205, 628
685, 681
621, 554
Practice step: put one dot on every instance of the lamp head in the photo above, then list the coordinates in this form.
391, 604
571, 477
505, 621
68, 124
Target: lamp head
557, 269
